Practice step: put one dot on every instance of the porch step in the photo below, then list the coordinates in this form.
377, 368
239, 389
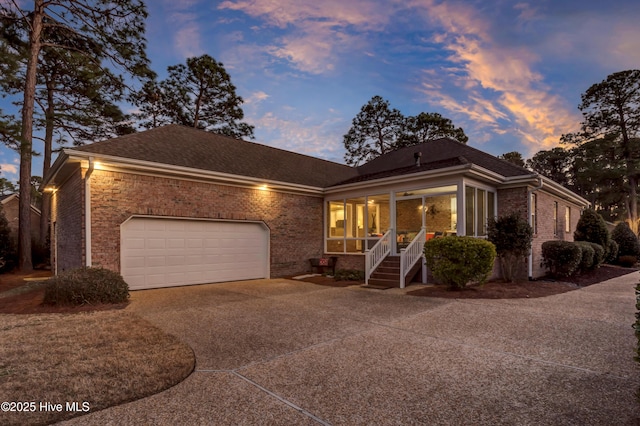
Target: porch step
387, 274
376, 282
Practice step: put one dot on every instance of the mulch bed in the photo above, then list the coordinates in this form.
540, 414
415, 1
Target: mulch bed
30, 302
500, 290
525, 289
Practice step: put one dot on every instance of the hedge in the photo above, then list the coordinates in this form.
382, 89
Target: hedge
457, 261
562, 258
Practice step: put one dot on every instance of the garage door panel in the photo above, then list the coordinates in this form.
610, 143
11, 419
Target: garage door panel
170, 252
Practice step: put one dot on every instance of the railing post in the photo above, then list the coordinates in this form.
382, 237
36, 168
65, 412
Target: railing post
402, 261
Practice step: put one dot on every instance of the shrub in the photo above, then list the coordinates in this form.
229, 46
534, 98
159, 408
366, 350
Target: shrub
591, 227
612, 252
349, 275
456, 261
7, 246
86, 286
512, 236
598, 258
586, 256
627, 241
561, 258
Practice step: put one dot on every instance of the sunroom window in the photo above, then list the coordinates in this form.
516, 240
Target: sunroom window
354, 224
479, 207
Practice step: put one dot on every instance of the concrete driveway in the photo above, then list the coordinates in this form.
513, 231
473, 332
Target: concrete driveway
285, 352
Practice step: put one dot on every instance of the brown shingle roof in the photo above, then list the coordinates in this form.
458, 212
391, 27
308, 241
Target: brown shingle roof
183, 146
433, 165
436, 151
187, 147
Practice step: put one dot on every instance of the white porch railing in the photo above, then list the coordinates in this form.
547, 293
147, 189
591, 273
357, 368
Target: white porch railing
376, 254
412, 254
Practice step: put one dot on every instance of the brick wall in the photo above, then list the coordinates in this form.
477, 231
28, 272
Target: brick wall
516, 200
67, 219
295, 221
11, 213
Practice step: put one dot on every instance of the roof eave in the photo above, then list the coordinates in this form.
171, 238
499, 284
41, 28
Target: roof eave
115, 163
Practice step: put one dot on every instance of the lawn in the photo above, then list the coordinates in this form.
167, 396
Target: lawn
95, 359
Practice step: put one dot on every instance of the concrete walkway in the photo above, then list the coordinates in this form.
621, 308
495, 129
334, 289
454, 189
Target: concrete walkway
284, 352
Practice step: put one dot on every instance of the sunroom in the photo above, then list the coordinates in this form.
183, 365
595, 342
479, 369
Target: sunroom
395, 219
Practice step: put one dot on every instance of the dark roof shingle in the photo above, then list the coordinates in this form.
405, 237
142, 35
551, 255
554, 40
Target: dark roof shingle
440, 150
183, 146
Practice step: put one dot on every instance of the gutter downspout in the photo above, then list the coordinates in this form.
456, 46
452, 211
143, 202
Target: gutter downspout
529, 207
87, 212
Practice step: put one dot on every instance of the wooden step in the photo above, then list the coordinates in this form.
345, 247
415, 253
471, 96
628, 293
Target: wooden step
384, 283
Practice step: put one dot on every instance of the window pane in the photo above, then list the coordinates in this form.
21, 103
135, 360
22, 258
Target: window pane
336, 219
469, 210
335, 246
491, 205
480, 213
354, 223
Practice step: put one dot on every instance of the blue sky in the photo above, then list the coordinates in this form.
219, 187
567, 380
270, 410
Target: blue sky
509, 72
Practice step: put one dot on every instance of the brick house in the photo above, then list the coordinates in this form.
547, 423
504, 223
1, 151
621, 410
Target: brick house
10, 205
176, 206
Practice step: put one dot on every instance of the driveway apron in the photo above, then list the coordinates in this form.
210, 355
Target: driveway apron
285, 352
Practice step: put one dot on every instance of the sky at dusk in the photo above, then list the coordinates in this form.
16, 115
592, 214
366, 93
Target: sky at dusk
510, 73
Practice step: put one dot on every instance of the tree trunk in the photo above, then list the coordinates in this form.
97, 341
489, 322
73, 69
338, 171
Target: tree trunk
26, 149
45, 213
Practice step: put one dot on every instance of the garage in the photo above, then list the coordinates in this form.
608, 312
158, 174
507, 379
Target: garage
167, 252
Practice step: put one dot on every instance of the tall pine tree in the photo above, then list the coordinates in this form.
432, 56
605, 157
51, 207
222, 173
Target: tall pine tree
107, 33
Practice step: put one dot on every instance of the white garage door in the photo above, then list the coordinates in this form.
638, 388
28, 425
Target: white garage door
173, 252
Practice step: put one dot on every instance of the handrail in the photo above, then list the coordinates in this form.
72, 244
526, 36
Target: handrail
376, 254
411, 254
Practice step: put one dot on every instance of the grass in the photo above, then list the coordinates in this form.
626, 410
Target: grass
104, 358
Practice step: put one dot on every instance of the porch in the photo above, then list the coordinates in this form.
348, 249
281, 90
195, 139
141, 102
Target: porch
389, 229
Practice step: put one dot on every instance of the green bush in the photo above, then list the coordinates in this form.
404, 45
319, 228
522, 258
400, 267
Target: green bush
457, 261
611, 252
561, 258
592, 228
627, 240
512, 236
349, 275
86, 286
587, 254
598, 258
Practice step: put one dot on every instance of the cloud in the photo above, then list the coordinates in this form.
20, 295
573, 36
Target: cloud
317, 31
9, 169
256, 97
303, 135
187, 34
501, 86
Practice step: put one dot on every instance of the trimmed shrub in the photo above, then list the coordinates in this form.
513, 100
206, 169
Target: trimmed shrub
627, 240
86, 286
512, 236
561, 258
612, 252
591, 227
598, 258
349, 275
457, 261
586, 256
